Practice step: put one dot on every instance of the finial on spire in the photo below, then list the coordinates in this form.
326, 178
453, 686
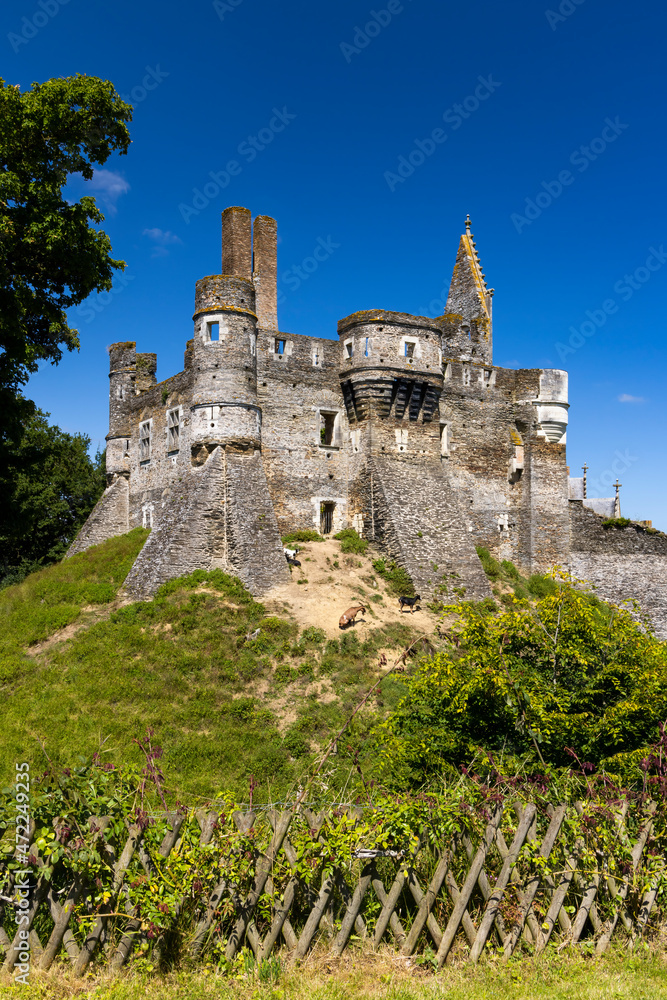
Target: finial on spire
468, 225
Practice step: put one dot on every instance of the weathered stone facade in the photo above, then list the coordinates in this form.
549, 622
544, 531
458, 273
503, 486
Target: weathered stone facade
403, 429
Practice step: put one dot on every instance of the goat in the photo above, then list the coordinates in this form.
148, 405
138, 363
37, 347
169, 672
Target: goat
350, 615
291, 553
292, 562
408, 602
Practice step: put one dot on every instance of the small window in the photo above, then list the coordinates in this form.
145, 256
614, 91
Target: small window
126, 448
147, 515
465, 376
409, 349
326, 518
368, 349
212, 331
444, 439
145, 441
253, 345
173, 429
328, 428
317, 358
279, 346
349, 349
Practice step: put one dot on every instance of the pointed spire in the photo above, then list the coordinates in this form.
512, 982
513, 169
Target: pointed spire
468, 309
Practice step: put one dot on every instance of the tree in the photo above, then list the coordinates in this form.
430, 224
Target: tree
49, 488
534, 685
51, 255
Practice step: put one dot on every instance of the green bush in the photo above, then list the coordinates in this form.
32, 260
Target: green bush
509, 570
397, 579
350, 542
531, 685
541, 586
490, 565
616, 522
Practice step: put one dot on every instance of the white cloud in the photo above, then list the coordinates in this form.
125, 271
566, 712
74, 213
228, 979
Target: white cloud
108, 186
626, 398
161, 239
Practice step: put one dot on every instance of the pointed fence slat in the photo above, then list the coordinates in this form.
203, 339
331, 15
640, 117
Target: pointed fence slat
462, 903
331, 905
388, 914
605, 939
353, 909
496, 896
61, 914
93, 939
531, 889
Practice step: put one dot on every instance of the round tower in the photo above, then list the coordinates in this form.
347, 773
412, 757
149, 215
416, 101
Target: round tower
224, 398
390, 365
122, 378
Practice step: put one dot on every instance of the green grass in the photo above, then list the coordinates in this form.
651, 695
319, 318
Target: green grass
376, 977
302, 536
537, 586
350, 542
182, 665
54, 597
398, 581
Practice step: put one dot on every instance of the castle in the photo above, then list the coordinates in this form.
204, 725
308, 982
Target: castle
403, 428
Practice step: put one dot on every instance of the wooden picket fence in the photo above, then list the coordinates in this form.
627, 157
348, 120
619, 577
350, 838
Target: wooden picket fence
526, 882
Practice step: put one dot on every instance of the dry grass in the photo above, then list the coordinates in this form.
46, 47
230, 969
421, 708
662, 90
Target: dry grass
381, 977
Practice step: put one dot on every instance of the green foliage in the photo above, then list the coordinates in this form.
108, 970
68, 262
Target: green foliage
491, 566
49, 486
533, 683
541, 586
186, 665
52, 252
305, 535
616, 522
350, 542
398, 580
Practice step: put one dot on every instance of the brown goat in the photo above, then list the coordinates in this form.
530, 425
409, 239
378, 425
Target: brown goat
350, 615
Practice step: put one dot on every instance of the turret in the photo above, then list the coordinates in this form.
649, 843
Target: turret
390, 370
122, 379
224, 405
467, 332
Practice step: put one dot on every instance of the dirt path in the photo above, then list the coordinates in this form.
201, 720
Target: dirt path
333, 583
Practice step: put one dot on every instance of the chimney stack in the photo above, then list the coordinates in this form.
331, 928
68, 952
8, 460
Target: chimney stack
237, 243
265, 266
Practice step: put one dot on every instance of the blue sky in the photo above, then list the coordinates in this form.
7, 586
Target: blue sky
551, 135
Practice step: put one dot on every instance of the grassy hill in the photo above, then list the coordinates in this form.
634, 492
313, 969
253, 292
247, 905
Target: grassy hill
82, 670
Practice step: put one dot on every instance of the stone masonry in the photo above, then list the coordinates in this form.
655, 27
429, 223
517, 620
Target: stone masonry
403, 428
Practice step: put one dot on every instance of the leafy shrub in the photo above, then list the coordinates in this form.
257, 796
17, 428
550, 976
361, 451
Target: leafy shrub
532, 685
541, 586
509, 570
351, 542
490, 565
616, 522
313, 636
399, 582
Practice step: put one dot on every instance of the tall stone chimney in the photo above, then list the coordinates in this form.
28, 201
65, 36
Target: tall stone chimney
265, 242
237, 243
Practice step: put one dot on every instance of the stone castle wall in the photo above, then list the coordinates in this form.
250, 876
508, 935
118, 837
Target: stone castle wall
402, 428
